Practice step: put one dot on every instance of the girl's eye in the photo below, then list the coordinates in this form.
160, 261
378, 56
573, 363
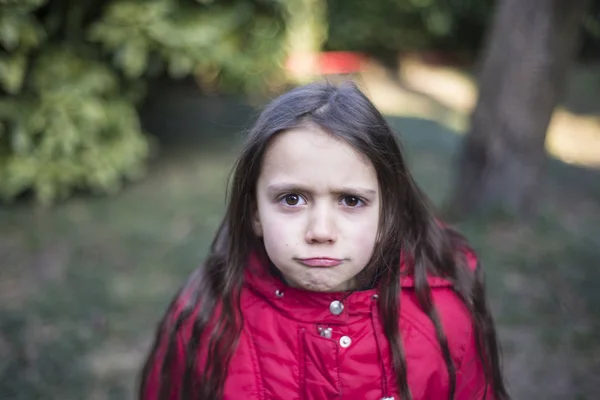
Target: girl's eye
292, 200
352, 201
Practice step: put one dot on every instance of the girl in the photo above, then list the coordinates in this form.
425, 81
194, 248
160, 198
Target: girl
329, 277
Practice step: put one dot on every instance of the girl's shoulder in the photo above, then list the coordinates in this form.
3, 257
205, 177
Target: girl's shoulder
455, 318
421, 339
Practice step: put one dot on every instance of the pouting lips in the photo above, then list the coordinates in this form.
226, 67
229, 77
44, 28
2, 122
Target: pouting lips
320, 261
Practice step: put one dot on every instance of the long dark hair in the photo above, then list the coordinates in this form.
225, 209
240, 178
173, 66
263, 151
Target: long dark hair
409, 229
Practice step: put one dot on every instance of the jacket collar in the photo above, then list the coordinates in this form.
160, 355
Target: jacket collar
307, 306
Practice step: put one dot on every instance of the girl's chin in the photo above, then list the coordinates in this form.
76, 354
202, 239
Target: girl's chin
321, 287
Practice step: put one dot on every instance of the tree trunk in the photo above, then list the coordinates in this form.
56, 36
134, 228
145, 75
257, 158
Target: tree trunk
306, 26
530, 47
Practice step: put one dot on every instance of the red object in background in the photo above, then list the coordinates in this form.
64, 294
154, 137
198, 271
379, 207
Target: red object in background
325, 63
340, 62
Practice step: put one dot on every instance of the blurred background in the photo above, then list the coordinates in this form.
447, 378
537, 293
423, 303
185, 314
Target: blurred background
120, 121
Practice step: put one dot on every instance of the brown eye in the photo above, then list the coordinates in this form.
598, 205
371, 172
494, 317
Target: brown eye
352, 201
291, 199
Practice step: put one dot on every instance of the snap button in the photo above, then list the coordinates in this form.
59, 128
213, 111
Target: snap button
336, 307
325, 332
279, 293
345, 341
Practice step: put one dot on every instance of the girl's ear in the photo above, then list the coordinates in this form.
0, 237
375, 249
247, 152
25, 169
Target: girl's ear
256, 225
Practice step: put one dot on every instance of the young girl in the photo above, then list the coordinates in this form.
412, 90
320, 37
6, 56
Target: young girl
330, 277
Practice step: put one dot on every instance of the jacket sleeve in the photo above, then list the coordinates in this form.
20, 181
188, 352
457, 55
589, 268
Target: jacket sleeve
471, 383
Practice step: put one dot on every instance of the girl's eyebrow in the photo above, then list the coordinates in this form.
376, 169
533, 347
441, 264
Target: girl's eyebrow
294, 187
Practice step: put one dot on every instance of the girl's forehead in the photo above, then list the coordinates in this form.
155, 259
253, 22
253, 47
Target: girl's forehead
309, 154
310, 141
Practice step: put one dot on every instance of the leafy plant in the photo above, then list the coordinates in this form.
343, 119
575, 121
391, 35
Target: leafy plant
71, 74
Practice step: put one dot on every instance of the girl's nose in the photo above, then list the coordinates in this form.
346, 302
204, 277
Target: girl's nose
321, 227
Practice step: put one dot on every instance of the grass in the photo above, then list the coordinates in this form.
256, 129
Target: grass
83, 284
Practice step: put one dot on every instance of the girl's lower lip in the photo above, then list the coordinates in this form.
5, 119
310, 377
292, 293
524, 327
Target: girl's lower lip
320, 262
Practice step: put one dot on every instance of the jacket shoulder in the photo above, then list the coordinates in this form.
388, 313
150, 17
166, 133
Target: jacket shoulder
455, 318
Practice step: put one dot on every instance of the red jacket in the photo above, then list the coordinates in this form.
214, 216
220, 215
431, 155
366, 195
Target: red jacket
286, 350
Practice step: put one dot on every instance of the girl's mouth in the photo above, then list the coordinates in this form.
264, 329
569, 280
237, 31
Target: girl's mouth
323, 262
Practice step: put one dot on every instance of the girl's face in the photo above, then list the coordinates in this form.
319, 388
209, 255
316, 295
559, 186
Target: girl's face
318, 204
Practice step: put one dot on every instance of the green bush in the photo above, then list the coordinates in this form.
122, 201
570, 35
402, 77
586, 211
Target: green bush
71, 74
238, 42
70, 127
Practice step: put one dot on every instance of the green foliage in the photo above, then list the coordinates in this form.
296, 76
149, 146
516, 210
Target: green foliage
591, 26
74, 129
71, 74
240, 42
392, 26
20, 33
65, 121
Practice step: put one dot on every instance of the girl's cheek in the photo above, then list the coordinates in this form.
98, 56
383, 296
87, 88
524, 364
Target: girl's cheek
277, 231
365, 238
368, 229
